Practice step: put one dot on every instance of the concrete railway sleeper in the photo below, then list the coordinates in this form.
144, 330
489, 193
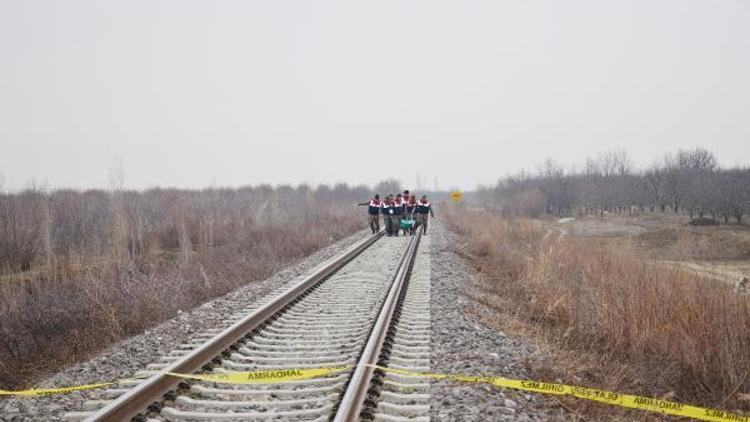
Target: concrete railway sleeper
368, 306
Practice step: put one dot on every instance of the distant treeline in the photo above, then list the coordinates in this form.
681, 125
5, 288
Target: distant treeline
689, 181
56, 230
49, 229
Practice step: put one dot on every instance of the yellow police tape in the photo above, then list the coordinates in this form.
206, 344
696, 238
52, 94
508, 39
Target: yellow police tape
264, 377
52, 391
602, 396
258, 377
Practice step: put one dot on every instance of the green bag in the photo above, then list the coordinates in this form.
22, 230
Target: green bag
407, 223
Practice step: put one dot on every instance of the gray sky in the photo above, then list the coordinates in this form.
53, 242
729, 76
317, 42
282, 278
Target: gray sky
191, 94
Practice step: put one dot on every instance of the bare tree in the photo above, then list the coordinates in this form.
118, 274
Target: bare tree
732, 194
388, 186
690, 181
656, 184
696, 171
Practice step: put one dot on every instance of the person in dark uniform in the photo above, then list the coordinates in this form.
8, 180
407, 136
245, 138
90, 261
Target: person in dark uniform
410, 201
398, 212
424, 212
411, 205
373, 212
387, 211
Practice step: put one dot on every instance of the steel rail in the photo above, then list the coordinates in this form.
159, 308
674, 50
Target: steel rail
354, 398
137, 400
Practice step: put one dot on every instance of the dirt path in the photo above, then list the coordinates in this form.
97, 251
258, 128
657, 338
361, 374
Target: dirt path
727, 271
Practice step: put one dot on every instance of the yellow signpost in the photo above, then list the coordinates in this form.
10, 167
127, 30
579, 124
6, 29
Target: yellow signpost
457, 196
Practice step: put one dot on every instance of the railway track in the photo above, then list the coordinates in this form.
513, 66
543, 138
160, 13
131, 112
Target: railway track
368, 306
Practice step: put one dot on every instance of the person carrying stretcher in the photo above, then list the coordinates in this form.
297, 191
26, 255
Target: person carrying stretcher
389, 216
399, 210
409, 223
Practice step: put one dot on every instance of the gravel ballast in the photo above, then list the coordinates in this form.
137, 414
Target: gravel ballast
461, 345
132, 355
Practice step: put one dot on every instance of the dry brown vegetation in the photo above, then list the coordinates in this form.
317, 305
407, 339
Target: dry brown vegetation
719, 252
81, 270
627, 325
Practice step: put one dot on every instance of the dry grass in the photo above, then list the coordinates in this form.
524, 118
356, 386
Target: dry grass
108, 266
636, 327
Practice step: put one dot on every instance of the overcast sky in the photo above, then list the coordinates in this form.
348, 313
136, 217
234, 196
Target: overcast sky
228, 93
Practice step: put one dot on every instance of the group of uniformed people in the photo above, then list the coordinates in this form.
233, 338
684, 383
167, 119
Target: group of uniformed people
400, 212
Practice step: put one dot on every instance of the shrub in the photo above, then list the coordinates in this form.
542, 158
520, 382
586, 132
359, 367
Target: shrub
76, 264
678, 334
